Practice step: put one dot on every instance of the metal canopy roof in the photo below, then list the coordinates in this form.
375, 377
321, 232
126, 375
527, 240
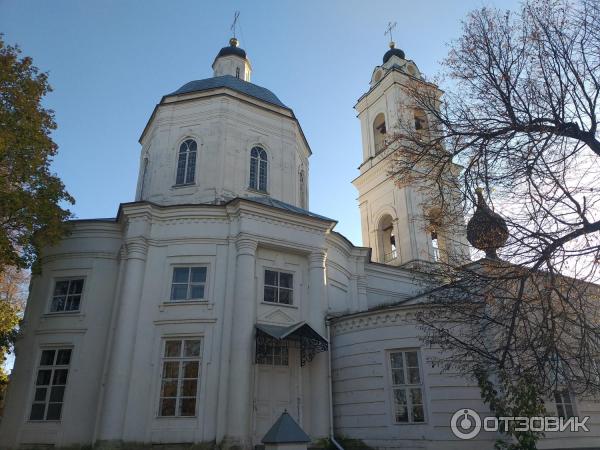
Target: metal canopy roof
302, 334
285, 431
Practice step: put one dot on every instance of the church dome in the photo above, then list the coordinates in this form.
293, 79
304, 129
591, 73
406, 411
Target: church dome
232, 49
233, 83
393, 51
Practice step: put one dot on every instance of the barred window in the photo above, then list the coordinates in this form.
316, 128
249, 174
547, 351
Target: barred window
407, 387
272, 352
258, 169
186, 162
50, 384
189, 283
67, 295
279, 287
180, 376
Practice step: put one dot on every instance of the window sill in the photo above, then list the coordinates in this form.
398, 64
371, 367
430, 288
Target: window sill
258, 191
175, 417
63, 314
279, 304
179, 186
30, 421
403, 424
169, 304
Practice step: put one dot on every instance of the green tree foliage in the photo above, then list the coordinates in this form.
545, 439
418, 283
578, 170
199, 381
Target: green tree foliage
513, 397
30, 195
13, 285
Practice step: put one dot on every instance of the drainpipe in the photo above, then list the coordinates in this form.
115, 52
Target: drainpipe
330, 378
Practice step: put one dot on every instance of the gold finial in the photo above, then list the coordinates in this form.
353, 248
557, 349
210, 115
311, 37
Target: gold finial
233, 42
392, 44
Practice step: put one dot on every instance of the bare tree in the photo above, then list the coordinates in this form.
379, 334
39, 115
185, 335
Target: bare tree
519, 119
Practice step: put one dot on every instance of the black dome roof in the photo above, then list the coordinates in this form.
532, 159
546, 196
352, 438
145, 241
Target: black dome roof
233, 49
393, 52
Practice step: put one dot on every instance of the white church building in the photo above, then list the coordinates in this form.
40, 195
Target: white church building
216, 301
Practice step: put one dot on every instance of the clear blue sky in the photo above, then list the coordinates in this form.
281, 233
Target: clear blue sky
111, 61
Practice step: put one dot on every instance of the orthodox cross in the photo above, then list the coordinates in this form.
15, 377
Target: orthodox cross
234, 24
389, 29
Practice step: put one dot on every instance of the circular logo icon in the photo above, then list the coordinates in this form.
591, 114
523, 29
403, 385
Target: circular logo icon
465, 424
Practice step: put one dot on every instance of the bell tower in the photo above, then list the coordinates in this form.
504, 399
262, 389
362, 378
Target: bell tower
393, 217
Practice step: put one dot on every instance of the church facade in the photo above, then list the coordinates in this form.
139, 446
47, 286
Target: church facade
216, 300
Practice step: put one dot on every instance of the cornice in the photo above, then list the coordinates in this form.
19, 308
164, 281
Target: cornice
78, 255
372, 319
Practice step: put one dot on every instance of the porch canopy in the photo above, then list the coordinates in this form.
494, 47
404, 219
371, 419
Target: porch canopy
300, 335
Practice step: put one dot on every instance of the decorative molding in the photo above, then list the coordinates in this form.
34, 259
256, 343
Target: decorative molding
137, 248
182, 321
246, 245
317, 259
77, 255
62, 331
277, 316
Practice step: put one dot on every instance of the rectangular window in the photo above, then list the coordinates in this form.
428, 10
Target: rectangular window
180, 375
279, 287
188, 283
407, 387
50, 384
564, 404
67, 295
272, 352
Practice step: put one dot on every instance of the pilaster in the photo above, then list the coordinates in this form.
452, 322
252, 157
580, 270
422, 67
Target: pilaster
242, 338
115, 404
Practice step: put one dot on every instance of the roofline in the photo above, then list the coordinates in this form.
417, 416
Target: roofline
221, 205
100, 219
161, 103
395, 69
212, 66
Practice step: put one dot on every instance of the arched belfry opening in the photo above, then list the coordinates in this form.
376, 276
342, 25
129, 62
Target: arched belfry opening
437, 235
421, 122
387, 240
379, 132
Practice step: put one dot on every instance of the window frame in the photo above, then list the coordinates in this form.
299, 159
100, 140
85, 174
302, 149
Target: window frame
181, 359
572, 403
56, 280
186, 171
377, 149
302, 187
406, 386
256, 186
278, 287
270, 360
189, 266
48, 387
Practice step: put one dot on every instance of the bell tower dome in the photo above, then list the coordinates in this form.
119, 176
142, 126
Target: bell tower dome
394, 216
232, 60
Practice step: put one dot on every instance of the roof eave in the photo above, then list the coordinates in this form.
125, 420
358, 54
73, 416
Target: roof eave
225, 88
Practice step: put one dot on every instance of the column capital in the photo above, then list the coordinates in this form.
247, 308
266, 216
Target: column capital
136, 248
246, 246
316, 259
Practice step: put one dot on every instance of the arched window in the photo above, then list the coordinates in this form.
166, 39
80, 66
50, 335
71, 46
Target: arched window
258, 169
186, 163
379, 132
387, 240
435, 245
237, 72
302, 188
420, 121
